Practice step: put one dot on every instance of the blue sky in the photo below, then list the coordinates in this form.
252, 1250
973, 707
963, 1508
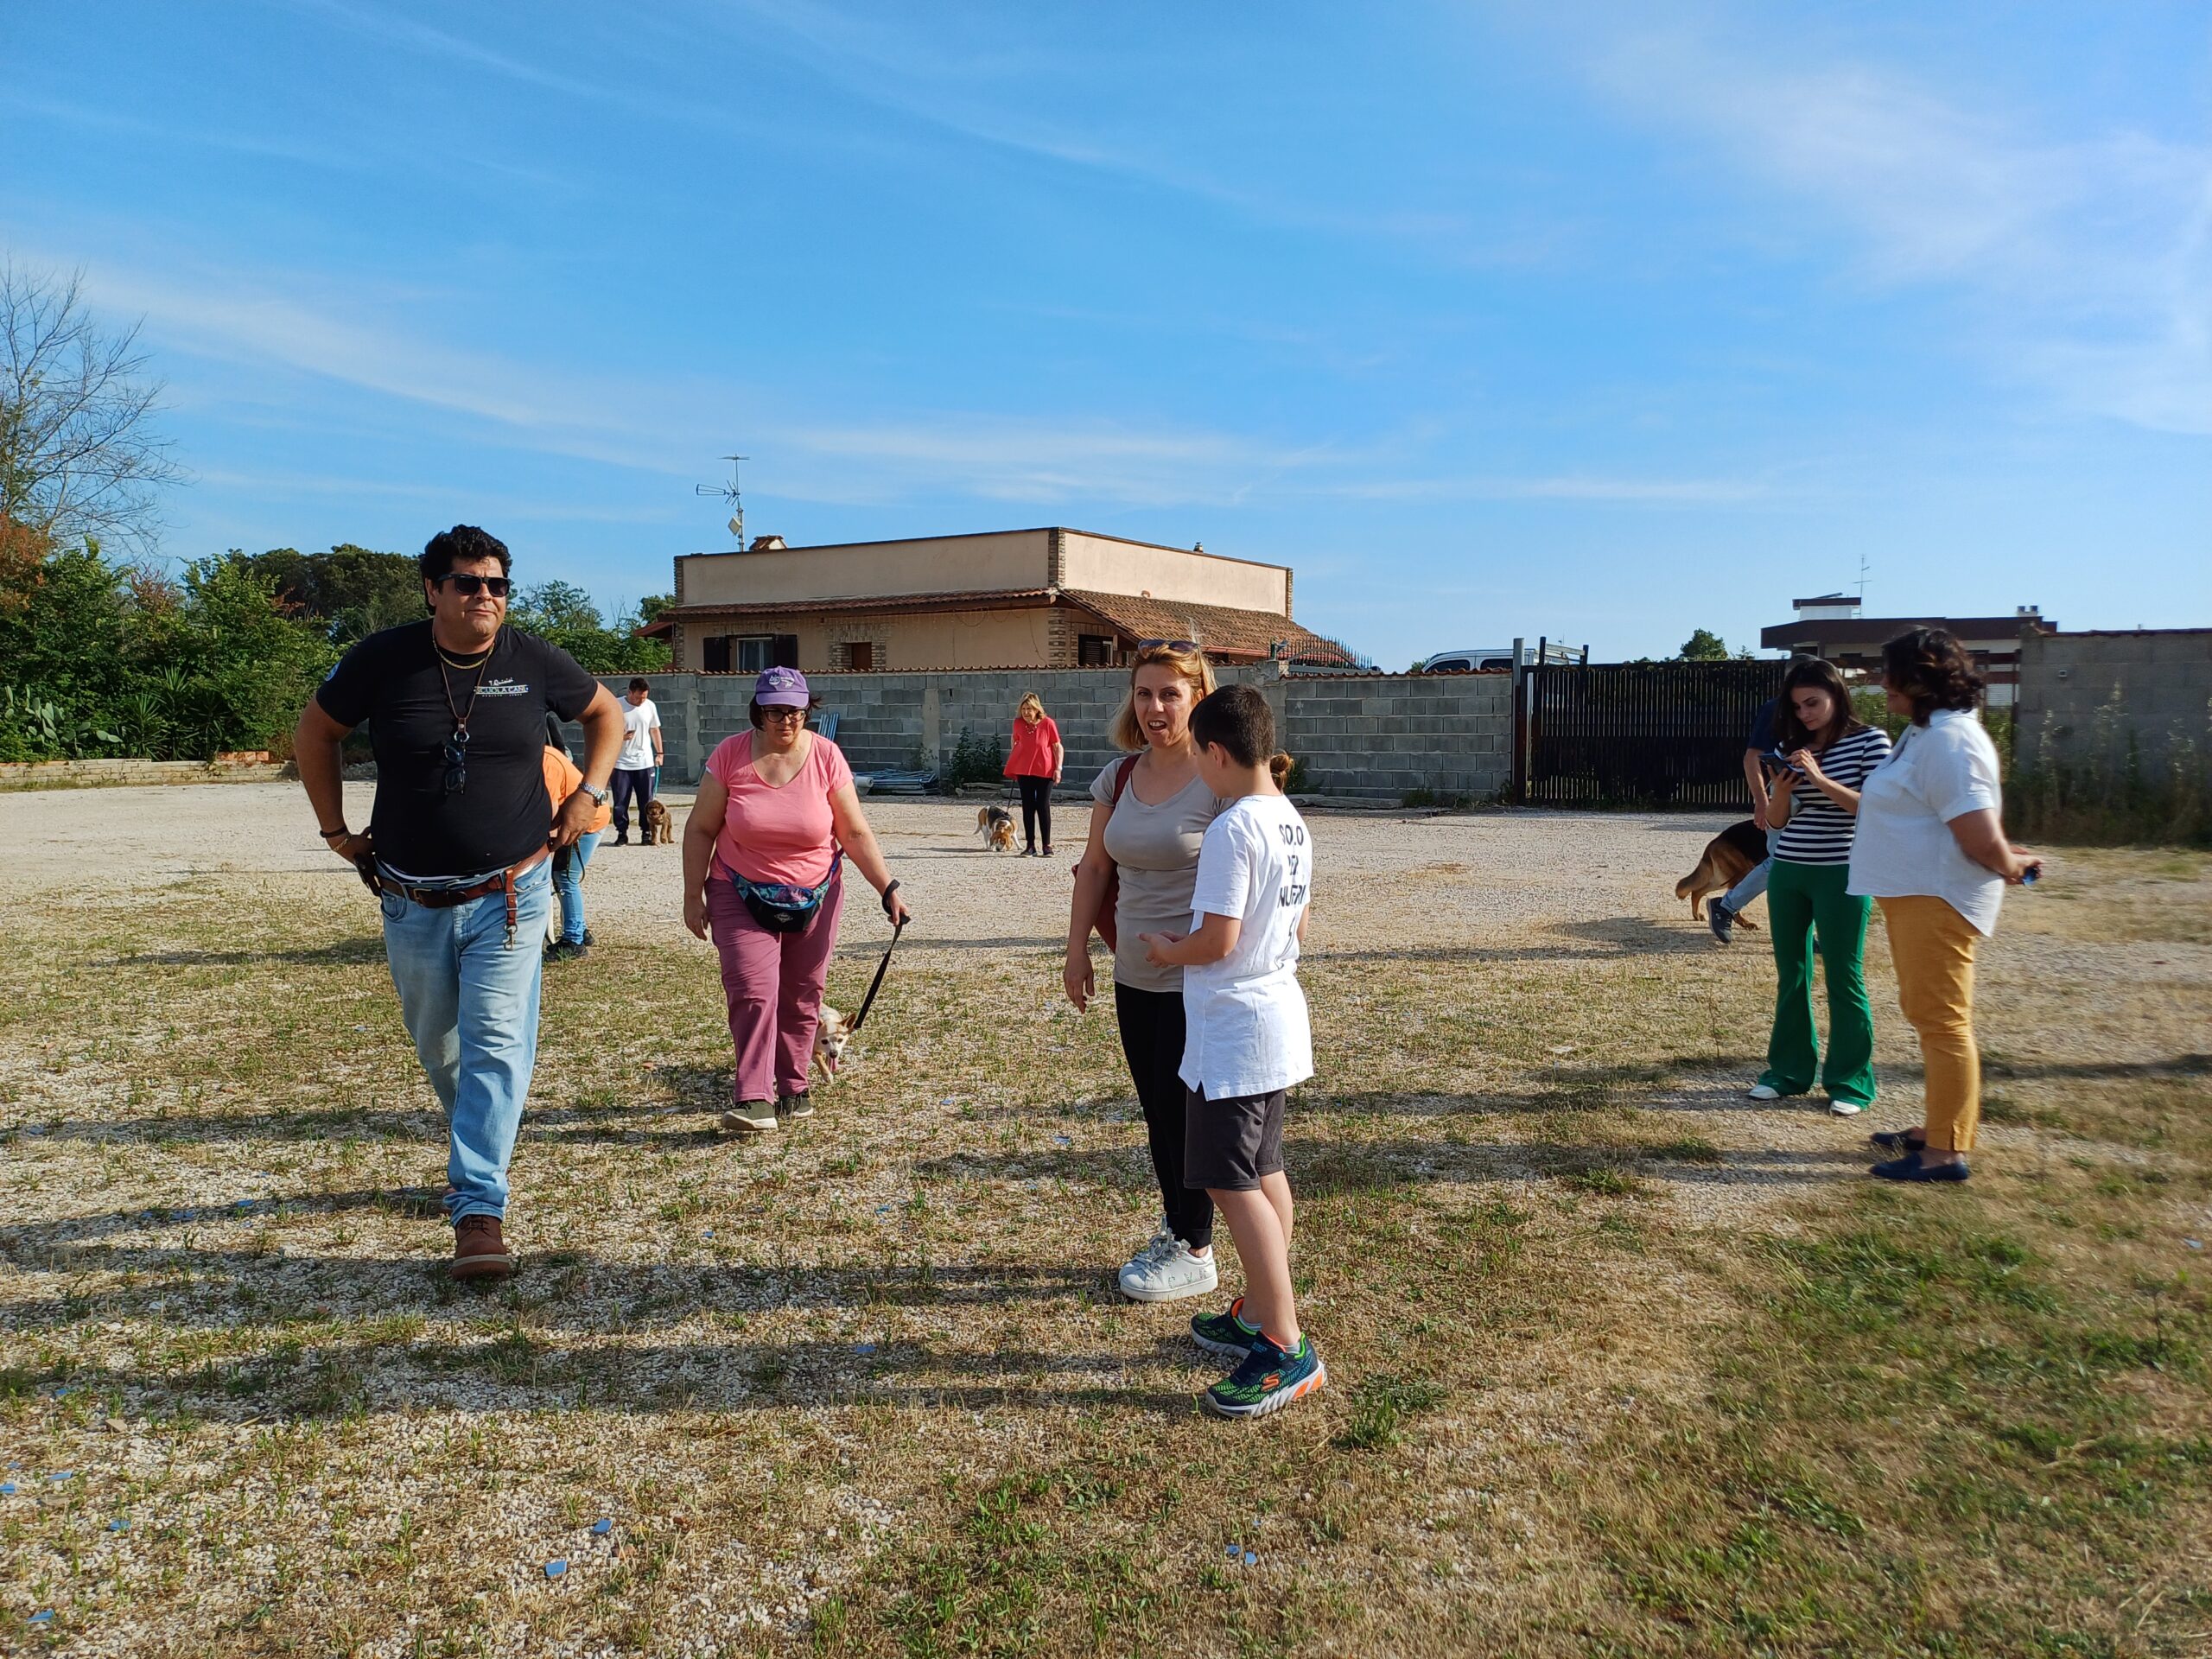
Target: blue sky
1497, 321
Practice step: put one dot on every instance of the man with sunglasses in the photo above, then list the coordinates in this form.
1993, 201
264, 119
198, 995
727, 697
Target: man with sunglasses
458, 845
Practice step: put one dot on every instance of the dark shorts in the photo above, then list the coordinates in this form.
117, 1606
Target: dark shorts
1228, 1144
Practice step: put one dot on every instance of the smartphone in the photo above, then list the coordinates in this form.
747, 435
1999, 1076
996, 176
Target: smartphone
1777, 762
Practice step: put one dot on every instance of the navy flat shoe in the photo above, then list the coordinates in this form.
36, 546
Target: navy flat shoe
1897, 1140
1909, 1168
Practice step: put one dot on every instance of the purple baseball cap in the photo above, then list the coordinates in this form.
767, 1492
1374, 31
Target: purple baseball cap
781, 688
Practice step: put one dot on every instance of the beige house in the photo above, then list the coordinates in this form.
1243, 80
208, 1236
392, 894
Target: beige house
1048, 598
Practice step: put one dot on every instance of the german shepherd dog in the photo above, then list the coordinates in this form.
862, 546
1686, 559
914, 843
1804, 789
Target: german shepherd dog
1729, 857
995, 825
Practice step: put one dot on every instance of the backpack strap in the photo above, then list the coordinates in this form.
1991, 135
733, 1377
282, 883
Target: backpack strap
1122, 777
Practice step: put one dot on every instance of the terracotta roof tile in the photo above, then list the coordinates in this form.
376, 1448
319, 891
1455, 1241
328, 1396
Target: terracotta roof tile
1225, 631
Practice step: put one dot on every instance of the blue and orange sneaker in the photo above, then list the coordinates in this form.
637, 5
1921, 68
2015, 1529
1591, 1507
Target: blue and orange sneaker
1269, 1380
1225, 1333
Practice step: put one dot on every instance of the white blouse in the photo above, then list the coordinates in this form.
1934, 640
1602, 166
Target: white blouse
1904, 847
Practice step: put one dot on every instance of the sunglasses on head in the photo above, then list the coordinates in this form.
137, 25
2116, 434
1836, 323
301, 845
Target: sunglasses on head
468, 586
1184, 645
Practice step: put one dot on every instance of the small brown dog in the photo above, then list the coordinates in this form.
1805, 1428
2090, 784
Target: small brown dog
660, 824
1729, 857
832, 1036
995, 825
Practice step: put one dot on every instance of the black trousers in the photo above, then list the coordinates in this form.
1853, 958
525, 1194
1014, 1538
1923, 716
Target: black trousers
1152, 1042
1036, 810
629, 786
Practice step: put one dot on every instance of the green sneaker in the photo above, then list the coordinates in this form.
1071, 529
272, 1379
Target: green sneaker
796, 1105
758, 1116
1225, 1332
1269, 1380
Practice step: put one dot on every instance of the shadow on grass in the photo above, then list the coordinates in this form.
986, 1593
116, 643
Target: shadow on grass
518, 1372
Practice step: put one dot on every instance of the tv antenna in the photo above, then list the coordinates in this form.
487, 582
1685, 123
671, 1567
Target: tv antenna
731, 493
1862, 578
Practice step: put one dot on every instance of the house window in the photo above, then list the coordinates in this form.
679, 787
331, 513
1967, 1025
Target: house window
860, 656
1094, 649
748, 653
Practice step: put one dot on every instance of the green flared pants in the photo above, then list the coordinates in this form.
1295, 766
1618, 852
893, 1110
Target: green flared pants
1803, 899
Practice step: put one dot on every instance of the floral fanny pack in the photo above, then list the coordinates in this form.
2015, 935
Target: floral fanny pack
779, 906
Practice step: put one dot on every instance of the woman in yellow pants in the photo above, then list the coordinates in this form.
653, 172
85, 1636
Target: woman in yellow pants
1930, 850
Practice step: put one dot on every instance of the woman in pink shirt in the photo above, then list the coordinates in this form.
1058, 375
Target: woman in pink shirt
762, 877
1034, 765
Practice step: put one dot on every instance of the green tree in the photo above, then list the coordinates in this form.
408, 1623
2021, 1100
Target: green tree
352, 591
563, 614
1704, 646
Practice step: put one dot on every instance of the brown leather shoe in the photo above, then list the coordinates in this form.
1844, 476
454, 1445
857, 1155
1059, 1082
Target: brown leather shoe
479, 1250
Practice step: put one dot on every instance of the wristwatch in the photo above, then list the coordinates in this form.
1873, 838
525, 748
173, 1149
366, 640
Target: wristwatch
599, 796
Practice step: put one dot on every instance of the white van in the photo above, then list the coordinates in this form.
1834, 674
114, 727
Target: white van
1498, 659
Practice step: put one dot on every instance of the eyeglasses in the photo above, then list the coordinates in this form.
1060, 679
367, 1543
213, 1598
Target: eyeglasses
782, 714
468, 586
457, 757
1186, 646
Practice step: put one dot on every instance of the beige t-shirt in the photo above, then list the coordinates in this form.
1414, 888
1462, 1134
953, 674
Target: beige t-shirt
1157, 849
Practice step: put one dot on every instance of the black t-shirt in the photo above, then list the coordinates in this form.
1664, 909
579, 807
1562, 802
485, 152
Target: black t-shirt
397, 681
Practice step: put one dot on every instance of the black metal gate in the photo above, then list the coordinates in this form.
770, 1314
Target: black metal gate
1639, 733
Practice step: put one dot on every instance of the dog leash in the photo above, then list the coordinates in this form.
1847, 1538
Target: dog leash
876, 984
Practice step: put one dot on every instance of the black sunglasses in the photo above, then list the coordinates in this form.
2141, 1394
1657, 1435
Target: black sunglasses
1184, 645
456, 758
468, 586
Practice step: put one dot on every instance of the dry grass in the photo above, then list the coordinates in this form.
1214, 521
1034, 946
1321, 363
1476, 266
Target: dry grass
1620, 1365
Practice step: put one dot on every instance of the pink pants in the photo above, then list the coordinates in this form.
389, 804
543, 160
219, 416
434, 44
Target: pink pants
772, 982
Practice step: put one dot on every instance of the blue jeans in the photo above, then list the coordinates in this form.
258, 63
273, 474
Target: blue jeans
569, 883
1752, 884
470, 1001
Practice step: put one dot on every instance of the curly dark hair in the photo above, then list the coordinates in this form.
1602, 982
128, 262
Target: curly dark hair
1789, 732
1930, 667
462, 541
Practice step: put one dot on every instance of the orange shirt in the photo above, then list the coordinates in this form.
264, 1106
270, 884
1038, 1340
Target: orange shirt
562, 780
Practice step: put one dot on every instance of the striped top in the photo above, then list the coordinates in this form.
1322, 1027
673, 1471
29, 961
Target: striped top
1819, 831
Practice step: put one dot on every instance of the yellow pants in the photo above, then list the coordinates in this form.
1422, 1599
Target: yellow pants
1932, 947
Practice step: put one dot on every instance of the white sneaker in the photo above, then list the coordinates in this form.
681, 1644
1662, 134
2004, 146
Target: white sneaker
1846, 1108
1762, 1091
1166, 1271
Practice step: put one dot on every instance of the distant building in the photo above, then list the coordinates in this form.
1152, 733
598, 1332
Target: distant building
1046, 598
1831, 627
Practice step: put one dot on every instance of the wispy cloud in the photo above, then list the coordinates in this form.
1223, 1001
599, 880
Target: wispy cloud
2090, 257
370, 347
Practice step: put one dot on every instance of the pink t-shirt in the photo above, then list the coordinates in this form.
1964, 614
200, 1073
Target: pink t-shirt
770, 834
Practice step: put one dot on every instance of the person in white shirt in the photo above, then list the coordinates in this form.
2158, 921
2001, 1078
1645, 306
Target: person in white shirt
1249, 1041
639, 764
1931, 852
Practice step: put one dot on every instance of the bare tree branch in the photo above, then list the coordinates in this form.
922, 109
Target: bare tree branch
79, 455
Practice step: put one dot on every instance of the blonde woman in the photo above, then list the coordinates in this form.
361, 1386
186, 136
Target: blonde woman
1151, 814
1034, 765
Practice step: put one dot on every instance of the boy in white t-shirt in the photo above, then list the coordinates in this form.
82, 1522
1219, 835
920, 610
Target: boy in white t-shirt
1249, 1042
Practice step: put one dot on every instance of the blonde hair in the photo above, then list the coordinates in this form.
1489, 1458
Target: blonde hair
1028, 698
1127, 734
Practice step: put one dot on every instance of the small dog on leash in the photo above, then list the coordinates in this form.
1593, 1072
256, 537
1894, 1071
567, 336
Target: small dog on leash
995, 825
833, 1035
660, 827
1729, 857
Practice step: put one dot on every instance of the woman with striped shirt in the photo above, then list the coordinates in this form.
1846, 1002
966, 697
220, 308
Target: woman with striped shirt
1814, 806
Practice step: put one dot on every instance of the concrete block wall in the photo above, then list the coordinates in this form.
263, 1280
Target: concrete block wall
1381, 735
1375, 735
2085, 699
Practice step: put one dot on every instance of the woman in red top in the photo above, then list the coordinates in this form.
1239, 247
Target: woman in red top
1035, 766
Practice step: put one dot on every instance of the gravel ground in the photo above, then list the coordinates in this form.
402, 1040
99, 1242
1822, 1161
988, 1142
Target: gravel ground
1419, 881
